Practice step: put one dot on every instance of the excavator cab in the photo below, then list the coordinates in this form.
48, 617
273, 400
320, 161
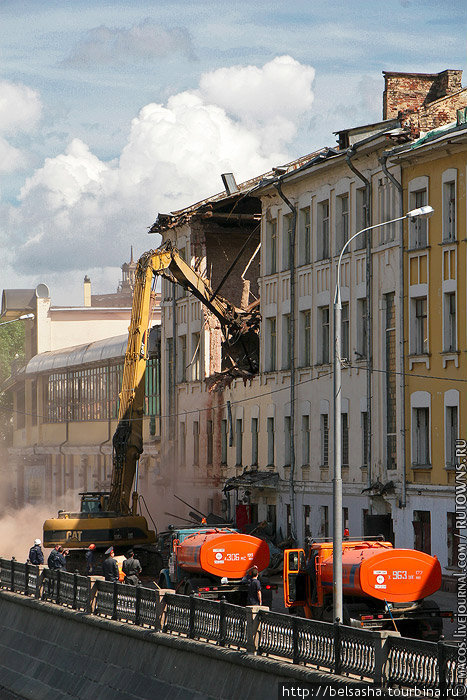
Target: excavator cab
295, 578
94, 502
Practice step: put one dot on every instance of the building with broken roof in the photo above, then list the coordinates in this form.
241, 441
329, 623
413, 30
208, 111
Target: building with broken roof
265, 435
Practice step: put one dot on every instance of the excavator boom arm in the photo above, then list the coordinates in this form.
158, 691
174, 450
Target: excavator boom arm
128, 437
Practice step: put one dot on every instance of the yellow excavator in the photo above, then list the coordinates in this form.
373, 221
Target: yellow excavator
110, 518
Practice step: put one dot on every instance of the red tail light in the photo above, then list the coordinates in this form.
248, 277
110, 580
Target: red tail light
366, 617
268, 587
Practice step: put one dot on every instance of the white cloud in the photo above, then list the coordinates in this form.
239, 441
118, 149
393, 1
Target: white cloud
20, 108
77, 211
114, 45
281, 88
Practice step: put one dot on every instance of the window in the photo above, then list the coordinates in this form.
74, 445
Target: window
364, 424
224, 442
386, 210
271, 345
449, 211
323, 230
452, 540
271, 450
195, 357
421, 437
305, 333
345, 439
450, 329
271, 247
306, 521
361, 217
170, 372
180, 291
286, 335
287, 241
182, 443
305, 440
345, 344
418, 228
362, 325
239, 441
324, 435
304, 236
272, 517
254, 441
288, 516
342, 224
182, 358
451, 431
420, 337
324, 527
422, 530
195, 443
209, 446
287, 441
324, 335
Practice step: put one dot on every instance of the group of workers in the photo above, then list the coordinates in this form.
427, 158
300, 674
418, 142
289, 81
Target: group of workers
131, 567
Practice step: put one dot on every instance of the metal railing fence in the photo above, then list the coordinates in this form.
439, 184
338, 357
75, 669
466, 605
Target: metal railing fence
383, 658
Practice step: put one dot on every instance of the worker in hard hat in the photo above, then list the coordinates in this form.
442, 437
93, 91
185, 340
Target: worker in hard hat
36, 555
90, 559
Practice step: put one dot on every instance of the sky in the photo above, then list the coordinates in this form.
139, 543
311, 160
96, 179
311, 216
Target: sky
112, 111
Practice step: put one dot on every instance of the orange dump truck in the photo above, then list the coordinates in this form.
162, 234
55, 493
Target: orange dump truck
383, 587
212, 561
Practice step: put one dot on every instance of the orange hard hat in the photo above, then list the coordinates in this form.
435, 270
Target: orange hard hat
92, 546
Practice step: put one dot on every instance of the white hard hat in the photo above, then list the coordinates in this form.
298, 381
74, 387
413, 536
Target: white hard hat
37, 541
224, 579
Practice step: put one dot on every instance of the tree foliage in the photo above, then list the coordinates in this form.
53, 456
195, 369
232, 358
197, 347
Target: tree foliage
11, 351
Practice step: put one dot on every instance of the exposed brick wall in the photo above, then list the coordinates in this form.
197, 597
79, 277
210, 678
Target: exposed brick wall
410, 91
442, 111
222, 246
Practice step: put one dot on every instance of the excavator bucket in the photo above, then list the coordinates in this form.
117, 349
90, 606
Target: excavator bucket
295, 578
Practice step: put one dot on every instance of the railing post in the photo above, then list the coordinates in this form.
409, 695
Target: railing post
160, 611
12, 572
253, 629
26, 578
337, 649
39, 581
91, 597
191, 632
442, 681
138, 605
75, 590
59, 578
295, 639
222, 622
115, 599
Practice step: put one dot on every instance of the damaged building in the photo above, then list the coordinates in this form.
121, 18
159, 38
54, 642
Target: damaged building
265, 435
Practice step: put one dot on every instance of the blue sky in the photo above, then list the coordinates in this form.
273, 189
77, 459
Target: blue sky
113, 111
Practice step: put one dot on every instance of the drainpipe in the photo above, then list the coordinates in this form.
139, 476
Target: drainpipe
173, 417
369, 274
398, 186
278, 186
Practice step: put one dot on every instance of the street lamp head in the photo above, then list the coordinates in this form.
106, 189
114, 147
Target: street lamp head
25, 317
420, 213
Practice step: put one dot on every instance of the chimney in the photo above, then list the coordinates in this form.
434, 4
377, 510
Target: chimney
87, 291
408, 92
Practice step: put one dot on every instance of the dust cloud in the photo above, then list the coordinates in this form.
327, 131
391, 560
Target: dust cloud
20, 527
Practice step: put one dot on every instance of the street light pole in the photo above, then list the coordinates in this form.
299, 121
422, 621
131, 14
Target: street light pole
20, 318
421, 212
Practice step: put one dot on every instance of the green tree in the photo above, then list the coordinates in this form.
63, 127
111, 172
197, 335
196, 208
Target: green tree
11, 350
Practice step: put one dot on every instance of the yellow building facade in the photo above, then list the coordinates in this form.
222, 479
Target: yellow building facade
435, 266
